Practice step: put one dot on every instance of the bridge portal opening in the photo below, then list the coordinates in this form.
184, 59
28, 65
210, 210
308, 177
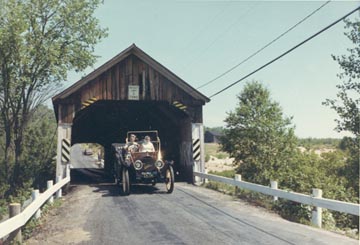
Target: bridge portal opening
107, 122
87, 155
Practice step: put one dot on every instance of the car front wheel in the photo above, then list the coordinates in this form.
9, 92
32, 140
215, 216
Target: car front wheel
169, 179
125, 181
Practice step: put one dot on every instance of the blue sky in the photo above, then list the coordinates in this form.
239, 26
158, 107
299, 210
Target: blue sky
198, 40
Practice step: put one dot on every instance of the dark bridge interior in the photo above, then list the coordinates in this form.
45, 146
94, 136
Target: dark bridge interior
107, 122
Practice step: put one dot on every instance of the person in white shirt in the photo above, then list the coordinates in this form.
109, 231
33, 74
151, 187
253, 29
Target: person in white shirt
147, 146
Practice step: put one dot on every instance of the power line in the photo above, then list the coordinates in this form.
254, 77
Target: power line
264, 47
204, 29
287, 52
217, 38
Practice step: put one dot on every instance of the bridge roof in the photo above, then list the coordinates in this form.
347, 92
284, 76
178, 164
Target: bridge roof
133, 50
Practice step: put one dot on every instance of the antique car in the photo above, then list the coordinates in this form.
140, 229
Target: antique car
136, 162
88, 152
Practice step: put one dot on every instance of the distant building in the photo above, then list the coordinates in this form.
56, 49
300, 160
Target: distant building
212, 137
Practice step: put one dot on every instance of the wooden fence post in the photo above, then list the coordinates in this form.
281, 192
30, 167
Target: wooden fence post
316, 218
237, 178
274, 185
35, 194
15, 209
49, 184
59, 192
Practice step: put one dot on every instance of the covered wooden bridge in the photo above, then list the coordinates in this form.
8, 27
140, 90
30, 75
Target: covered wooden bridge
132, 91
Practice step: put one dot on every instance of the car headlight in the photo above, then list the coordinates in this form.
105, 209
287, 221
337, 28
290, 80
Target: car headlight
128, 156
159, 164
138, 165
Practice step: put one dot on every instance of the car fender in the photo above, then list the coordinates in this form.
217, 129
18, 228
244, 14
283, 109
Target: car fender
171, 162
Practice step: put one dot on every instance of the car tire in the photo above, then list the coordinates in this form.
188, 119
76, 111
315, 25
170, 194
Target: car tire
169, 179
125, 181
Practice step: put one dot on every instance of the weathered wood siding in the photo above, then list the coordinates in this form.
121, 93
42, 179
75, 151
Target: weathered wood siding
113, 85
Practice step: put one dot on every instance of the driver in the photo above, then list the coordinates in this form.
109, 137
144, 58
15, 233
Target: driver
147, 146
132, 145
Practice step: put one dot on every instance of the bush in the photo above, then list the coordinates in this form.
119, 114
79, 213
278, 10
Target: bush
207, 157
224, 188
293, 211
225, 173
36, 165
221, 155
308, 171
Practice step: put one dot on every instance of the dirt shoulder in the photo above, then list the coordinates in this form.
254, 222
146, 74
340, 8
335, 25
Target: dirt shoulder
63, 225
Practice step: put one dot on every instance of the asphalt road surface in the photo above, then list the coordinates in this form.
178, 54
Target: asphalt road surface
79, 160
95, 213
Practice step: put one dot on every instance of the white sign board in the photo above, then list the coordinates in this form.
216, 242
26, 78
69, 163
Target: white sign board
133, 92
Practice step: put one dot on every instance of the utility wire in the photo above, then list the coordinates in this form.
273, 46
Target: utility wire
287, 52
204, 29
218, 37
264, 47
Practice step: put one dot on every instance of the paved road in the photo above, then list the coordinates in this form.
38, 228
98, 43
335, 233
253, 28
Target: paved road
79, 160
96, 214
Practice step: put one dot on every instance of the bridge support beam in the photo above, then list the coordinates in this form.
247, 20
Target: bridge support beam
198, 149
63, 132
186, 159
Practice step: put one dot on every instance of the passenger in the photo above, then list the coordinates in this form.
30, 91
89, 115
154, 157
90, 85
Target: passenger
147, 146
132, 145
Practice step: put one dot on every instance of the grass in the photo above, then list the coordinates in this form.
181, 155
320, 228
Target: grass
33, 223
285, 208
253, 197
213, 149
226, 173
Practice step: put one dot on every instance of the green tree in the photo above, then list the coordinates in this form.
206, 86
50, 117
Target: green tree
258, 135
308, 170
39, 165
218, 129
40, 41
348, 103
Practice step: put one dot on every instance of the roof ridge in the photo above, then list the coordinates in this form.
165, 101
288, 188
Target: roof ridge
135, 50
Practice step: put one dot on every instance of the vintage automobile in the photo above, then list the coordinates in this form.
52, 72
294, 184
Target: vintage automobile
135, 164
88, 152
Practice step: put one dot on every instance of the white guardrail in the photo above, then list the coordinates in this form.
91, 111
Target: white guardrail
19, 220
318, 202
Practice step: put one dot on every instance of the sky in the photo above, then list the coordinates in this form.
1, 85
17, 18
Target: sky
198, 40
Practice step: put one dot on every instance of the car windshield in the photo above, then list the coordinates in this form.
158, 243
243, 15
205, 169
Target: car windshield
141, 135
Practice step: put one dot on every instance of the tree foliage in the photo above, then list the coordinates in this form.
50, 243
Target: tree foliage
40, 41
40, 147
319, 143
38, 165
262, 141
258, 135
214, 129
348, 103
